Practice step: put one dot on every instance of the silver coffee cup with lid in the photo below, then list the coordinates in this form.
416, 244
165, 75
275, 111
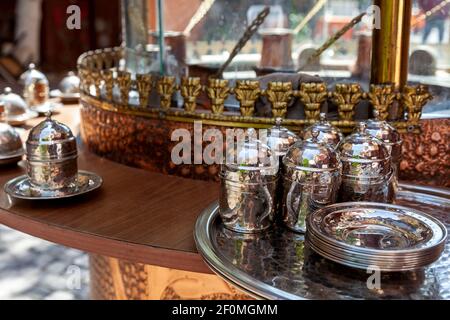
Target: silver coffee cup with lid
366, 168
312, 175
51, 152
248, 186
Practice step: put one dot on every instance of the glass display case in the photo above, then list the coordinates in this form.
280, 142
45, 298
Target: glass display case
242, 64
200, 35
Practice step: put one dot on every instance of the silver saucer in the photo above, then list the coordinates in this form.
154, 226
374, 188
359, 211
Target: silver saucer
12, 157
361, 234
21, 119
65, 97
22, 188
46, 107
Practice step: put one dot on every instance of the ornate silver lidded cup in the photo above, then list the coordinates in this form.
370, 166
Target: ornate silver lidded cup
280, 139
51, 151
312, 175
328, 133
392, 139
366, 168
70, 84
11, 147
248, 185
36, 86
16, 110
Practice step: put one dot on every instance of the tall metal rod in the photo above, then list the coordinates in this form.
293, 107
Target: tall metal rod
391, 43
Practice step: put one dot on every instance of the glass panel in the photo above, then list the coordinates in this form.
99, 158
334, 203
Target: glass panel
430, 53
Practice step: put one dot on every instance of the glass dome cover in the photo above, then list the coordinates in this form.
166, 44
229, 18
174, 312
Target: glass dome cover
328, 133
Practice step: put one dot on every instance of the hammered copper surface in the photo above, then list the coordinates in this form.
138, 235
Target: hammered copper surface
279, 262
426, 157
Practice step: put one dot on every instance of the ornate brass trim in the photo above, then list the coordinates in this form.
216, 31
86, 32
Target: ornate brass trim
100, 70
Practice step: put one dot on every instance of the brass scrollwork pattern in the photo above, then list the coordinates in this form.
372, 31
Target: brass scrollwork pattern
247, 92
312, 95
96, 79
382, 96
166, 88
144, 86
218, 92
190, 90
279, 94
414, 99
346, 97
124, 81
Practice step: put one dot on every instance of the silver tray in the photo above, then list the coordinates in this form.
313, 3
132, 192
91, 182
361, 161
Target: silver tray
21, 188
278, 265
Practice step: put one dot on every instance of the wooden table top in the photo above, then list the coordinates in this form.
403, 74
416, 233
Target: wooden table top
137, 215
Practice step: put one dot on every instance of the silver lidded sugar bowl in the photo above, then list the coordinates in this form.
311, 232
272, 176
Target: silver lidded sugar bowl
328, 133
366, 168
248, 186
36, 86
11, 147
393, 141
311, 175
51, 151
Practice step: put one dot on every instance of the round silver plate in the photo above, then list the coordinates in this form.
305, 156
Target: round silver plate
279, 264
46, 107
65, 97
12, 158
364, 234
21, 119
22, 188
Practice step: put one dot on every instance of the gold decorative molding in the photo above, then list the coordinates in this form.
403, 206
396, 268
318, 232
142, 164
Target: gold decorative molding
124, 81
279, 94
166, 88
144, 86
313, 95
190, 90
382, 96
346, 97
218, 91
102, 69
247, 92
414, 99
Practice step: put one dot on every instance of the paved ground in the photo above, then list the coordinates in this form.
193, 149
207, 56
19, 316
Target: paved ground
31, 268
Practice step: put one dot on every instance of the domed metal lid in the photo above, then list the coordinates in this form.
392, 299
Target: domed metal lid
70, 83
32, 76
361, 147
49, 131
251, 155
280, 139
312, 155
13, 103
10, 142
328, 133
383, 131
50, 139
